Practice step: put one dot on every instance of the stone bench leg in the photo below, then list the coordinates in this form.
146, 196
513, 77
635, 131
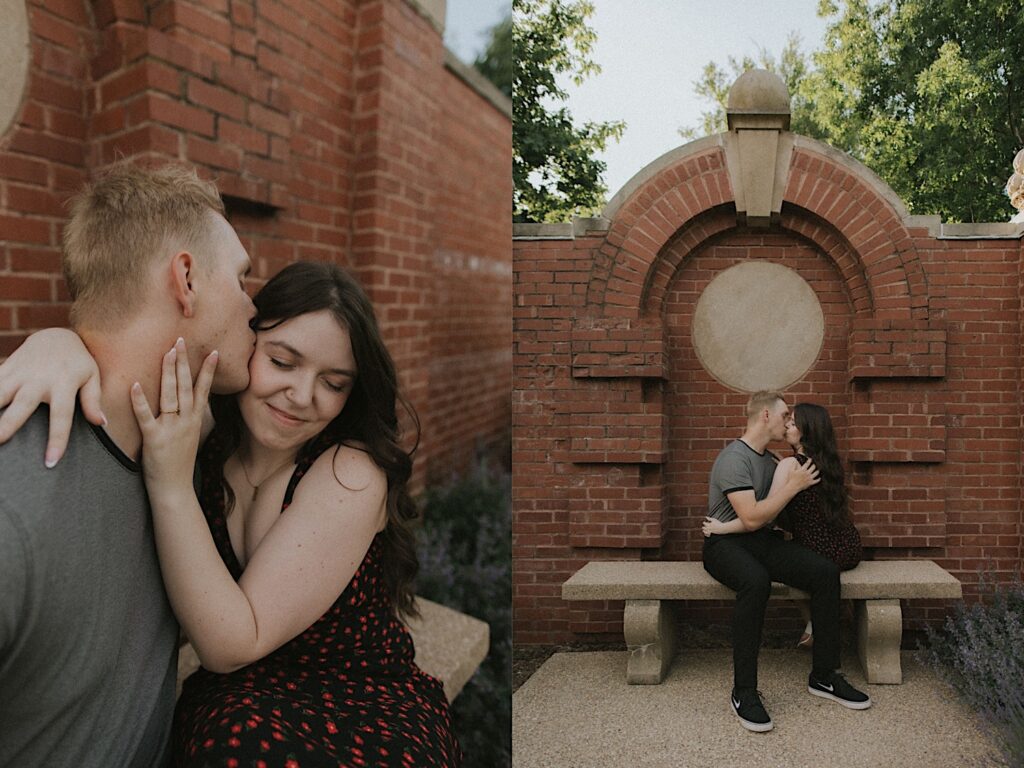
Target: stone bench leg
649, 627
879, 633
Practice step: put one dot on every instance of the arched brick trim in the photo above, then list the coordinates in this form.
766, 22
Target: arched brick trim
828, 185
648, 220
830, 199
804, 224
703, 230
694, 235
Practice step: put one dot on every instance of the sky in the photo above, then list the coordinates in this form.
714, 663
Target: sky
652, 51
467, 23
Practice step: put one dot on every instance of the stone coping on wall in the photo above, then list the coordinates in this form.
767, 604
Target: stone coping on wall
485, 88
995, 230
654, 167
578, 227
562, 230
433, 11
805, 143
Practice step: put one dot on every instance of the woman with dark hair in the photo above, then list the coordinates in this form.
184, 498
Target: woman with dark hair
290, 567
818, 517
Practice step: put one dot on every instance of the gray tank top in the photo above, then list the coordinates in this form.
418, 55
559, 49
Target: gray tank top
88, 643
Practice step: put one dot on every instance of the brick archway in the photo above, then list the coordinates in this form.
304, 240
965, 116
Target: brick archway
922, 366
829, 199
623, 499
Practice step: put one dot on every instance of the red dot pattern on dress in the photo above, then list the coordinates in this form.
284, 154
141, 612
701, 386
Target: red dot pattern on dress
840, 544
345, 692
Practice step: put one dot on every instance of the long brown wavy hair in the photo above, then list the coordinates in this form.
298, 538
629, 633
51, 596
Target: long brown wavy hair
819, 442
368, 421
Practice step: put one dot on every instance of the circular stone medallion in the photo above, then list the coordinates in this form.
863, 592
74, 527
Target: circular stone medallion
758, 326
13, 59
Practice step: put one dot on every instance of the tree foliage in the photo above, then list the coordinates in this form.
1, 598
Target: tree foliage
929, 94
555, 170
495, 62
713, 86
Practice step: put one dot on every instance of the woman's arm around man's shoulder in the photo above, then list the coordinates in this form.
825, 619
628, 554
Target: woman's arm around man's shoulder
51, 366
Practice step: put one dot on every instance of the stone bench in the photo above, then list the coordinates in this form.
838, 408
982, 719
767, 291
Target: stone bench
649, 625
449, 646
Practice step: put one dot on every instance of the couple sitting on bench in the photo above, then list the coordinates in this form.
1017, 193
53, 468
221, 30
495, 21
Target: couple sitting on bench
750, 491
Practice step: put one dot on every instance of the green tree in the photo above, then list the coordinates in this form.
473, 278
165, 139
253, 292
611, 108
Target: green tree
555, 172
495, 62
929, 94
792, 66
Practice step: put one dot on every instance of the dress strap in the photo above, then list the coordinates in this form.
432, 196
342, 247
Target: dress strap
306, 459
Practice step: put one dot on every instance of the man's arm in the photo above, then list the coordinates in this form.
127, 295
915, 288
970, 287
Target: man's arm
756, 514
713, 527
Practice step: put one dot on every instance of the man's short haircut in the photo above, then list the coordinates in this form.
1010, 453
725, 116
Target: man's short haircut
761, 400
122, 222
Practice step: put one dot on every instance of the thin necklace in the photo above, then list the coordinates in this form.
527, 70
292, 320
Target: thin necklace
256, 486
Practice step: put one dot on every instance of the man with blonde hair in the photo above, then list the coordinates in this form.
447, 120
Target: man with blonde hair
741, 487
88, 643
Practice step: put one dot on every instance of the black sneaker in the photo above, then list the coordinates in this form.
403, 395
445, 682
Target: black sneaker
746, 703
836, 688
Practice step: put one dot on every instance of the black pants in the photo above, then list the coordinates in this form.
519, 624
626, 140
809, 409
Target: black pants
748, 563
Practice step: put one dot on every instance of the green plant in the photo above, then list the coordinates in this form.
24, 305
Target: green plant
556, 173
465, 553
980, 652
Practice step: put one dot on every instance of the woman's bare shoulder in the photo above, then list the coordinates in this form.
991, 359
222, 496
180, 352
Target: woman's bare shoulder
787, 464
351, 467
345, 479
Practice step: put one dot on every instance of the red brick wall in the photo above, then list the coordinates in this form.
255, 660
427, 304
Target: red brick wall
544, 275
702, 414
43, 157
616, 423
336, 132
471, 329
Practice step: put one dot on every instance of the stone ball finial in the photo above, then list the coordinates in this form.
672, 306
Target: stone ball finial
1015, 191
1015, 184
1018, 162
15, 59
758, 92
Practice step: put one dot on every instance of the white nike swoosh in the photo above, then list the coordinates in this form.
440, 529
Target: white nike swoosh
735, 704
826, 687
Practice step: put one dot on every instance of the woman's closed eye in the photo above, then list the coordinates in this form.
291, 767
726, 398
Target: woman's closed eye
336, 387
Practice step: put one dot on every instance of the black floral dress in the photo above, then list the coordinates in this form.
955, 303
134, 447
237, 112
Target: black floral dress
343, 693
803, 517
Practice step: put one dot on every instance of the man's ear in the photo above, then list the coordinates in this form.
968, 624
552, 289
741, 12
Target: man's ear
183, 270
